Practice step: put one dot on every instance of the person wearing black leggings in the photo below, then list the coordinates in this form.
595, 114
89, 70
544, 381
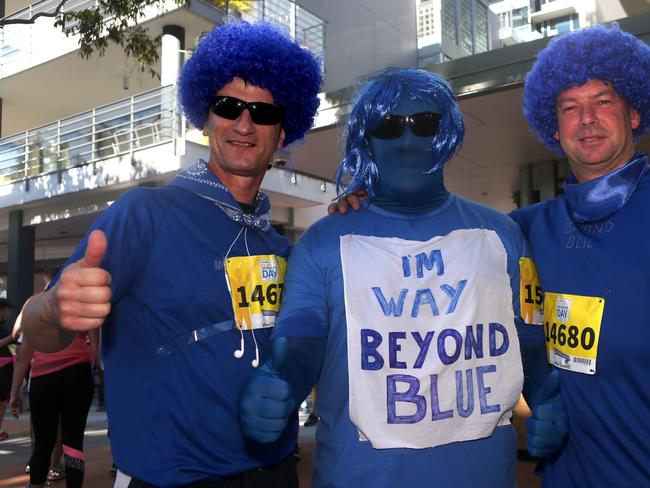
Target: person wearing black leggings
61, 387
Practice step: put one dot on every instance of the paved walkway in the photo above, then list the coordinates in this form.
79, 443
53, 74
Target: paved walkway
15, 451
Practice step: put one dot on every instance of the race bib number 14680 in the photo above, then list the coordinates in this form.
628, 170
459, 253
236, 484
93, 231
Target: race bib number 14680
572, 328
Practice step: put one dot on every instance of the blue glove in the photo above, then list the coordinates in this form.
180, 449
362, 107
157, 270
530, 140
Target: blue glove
267, 400
549, 425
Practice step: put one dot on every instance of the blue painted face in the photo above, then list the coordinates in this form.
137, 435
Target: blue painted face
403, 162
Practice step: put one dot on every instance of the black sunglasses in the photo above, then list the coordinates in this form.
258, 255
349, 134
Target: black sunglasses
262, 113
423, 124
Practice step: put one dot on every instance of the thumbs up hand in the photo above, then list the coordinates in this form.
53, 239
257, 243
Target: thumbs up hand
267, 400
549, 425
81, 299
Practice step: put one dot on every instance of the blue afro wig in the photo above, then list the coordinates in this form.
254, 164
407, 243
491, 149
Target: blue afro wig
264, 56
596, 53
377, 98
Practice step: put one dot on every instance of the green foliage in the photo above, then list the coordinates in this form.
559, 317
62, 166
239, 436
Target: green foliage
115, 21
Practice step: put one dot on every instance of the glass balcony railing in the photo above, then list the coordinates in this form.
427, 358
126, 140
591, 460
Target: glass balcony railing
122, 127
302, 25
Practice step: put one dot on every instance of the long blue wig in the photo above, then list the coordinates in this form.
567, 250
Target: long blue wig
377, 98
264, 56
595, 53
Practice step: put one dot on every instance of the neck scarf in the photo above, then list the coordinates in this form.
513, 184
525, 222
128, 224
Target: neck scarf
201, 181
599, 198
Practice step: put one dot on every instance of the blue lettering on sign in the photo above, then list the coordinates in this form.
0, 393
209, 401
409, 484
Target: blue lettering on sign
436, 414
390, 308
394, 348
460, 404
424, 261
409, 396
464, 396
483, 390
370, 359
457, 343
474, 343
454, 294
424, 297
423, 344
450, 343
406, 266
495, 328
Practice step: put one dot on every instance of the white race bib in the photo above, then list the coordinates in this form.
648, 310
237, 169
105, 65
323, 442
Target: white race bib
433, 352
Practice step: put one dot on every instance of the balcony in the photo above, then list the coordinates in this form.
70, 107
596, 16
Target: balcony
302, 25
519, 34
26, 45
552, 9
120, 145
42, 158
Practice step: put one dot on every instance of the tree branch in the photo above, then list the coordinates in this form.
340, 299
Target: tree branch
7, 21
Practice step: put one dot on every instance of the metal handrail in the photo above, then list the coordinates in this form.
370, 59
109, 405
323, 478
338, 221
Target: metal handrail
302, 25
121, 127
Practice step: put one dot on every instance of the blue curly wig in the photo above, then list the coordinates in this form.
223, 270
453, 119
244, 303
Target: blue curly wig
264, 56
377, 98
597, 53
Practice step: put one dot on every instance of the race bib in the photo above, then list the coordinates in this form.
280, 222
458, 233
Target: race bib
255, 284
572, 329
531, 297
433, 353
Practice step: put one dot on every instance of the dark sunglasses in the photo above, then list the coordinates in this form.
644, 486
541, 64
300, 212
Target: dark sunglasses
423, 124
262, 113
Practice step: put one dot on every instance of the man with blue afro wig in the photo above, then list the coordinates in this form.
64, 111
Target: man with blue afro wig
185, 280
407, 313
587, 97
265, 57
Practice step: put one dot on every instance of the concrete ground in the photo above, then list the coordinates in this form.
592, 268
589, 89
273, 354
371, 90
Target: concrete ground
15, 451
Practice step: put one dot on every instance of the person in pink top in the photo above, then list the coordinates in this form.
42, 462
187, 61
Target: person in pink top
6, 360
61, 387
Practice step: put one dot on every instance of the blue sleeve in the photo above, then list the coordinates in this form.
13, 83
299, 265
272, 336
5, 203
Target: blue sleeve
304, 311
304, 318
531, 337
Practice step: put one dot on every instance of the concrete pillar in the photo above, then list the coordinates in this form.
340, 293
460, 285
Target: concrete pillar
526, 196
546, 180
173, 42
20, 263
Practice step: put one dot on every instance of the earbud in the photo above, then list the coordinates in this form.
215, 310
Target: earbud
256, 362
239, 352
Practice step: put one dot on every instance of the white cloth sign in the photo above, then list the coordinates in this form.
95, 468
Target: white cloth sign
433, 352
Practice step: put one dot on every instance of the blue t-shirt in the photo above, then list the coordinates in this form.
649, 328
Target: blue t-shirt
315, 291
172, 382
609, 432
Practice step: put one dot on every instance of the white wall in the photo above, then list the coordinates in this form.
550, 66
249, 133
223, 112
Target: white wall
364, 36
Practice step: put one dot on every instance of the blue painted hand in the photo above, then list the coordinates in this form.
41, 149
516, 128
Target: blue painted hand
549, 425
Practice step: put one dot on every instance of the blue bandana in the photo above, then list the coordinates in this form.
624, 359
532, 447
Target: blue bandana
200, 180
599, 198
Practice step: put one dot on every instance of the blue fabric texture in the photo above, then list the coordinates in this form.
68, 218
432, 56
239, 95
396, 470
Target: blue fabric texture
601, 197
608, 411
172, 382
314, 289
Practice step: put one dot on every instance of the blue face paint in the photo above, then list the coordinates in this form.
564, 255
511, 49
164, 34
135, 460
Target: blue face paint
403, 184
